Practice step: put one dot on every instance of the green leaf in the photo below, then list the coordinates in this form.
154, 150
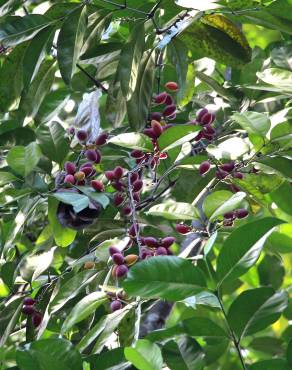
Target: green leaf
38, 89
52, 105
256, 309
138, 105
253, 122
242, 248
22, 159
49, 354
289, 353
171, 278
108, 360
35, 53
174, 211
6, 178
63, 235
101, 251
52, 141
78, 201
132, 140
103, 329
272, 364
280, 78
11, 324
184, 354
232, 148
83, 309
271, 271
220, 202
177, 135
70, 41
281, 165
19, 29
130, 60
194, 327
281, 240
144, 355
280, 196
71, 288
100, 198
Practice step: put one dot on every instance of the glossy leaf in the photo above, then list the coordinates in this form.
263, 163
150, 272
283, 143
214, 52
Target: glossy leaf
144, 355
23, 160
171, 278
132, 140
177, 135
277, 77
70, 41
279, 164
242, 248
78, 201
174, 211
253, 122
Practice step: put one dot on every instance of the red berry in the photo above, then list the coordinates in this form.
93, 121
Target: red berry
183, 229
151, 242
91, 155
134, 177
150, 133
28, 310
101, 139
228, 167
167, 241
87, 164
209, 130
229, 215
81, 135
119, 186
136, 197
207, 119
132, 231
127, 211
112, 250
118, 172
98, 159
204, 167
201, 113
97, 185
70, 168
199, 136
241, 213
28, 301
220, 174
109, 175
118, 258
161, 251
136, 153
156, 127
116, 305
89, 171
36, 319
172, 86
137, 185
69, 179
238, 175
121, 271
160, 98
168, 100
169, 110
163, 155
118, 199
156, 115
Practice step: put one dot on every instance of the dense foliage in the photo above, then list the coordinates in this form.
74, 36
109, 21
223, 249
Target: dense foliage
146, 171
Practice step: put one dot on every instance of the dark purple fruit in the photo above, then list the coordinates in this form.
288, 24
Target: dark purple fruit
156, 115
81, 135
137, 185
228, 167
70, 168
220, 174
101, 139
241, 213
161, 251
118, 258
37, 319
118, 172
160, 98
238, 175
204, 167
28, 301
69, 179
121, 271
110, 175
118, 199
201, 113
28, 310
169, 110
136, 153
156, 127
229, 215
112, 250
167, 241
151, 242
97, 185
116, 305
183, 229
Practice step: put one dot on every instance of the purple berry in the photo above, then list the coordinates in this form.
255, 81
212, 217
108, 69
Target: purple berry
238, 175
241, 213
201, 113
81, 135
70, 168
183, 229
229, 215
37, 319
161, 251
160, 98
136, 153
28, 301
167, 241
149, 132
169, 110
137, 185
118, 258
228, 167
204, 167
207, 119
121, 271
112, 250
28, 310
118, 199
220, 174
151, 242
118, 172
156, 115
168, 100
91, 155
116, 305
101, 139
69, 179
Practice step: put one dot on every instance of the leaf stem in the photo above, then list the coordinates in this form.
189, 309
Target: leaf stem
235, 341
94, 80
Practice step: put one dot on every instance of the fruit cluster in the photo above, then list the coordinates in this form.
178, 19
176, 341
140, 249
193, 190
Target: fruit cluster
117, 300
155, 247
230, 217
205, 118
121, 262
28, 309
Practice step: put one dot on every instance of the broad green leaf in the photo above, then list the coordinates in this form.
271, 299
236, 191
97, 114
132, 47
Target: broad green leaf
277, 77
138, 105
184, 354
71, 288
242, 248
52, 141
177, 135
19, 29
70, 41
282, 56
132, 140
253, 122
52, 105
281, 165
271, 271
49, 354
83, 309
38, 89
102, 252
171, 278
281, 240
115, 109
102, 199
174, 211
8, 5
77, 201
256, 309
194, 327
281, 133
103, 330
220, 202
63, 235
281, 195
35, 53
22, 159
289, 353
272, 364
11, 324
130, 60
6, 178
112, 359
144, 355
204, 298
267, 344
232, 148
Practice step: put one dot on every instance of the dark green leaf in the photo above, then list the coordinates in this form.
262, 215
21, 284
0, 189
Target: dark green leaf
144, 355
280, 197
24, 159
132, 140
177, 135
279, 164
272, 364
253, 122
271, 271
174, 211
78, 201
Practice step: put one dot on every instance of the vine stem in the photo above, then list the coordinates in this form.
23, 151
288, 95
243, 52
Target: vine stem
133, 209
235, 341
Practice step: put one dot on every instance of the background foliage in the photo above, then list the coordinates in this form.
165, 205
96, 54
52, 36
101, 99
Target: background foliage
222, 296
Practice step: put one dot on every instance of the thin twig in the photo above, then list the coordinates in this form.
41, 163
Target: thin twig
94, 80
